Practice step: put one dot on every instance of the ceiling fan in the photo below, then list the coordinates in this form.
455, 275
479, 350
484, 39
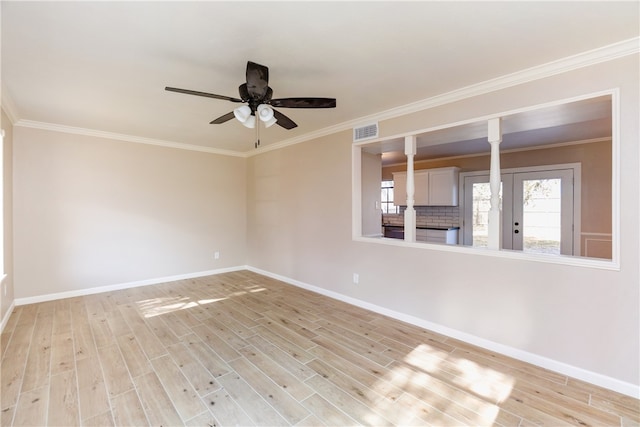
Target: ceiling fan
257, 94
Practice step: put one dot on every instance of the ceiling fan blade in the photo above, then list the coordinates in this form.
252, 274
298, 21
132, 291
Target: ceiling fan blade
304, 102
283, 120
222, 119
208, 95
257, 80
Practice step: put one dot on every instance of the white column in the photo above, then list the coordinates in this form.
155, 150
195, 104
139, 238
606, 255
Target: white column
410, 212
495, 221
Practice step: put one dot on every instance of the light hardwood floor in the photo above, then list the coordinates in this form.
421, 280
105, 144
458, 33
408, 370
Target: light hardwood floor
243, 349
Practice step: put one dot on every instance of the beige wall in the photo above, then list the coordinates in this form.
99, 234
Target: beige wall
594, 157
371, 178
297, 206
93, 212
582, 317
6, 290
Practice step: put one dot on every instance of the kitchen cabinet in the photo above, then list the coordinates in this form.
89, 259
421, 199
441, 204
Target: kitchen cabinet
421, 183
433, 187
400, 188
446, 236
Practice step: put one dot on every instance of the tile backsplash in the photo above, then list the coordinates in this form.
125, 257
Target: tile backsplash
428, 216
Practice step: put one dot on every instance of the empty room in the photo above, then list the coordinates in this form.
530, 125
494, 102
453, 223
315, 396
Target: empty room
313, 213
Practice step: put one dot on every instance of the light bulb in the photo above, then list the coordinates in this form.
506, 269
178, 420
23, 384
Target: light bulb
250, 122
265, 112
270, 122
242, 113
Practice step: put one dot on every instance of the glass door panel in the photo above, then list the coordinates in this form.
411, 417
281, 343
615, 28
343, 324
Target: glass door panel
477, 195
541, 216
480, 214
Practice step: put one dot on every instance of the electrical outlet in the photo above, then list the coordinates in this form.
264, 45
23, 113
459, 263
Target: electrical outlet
216, 255
356, 278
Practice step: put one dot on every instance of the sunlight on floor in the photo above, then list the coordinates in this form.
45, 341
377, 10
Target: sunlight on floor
210, 301
484, 382
446, 384
159, 306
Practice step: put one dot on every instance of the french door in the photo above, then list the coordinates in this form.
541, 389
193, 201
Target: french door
537, 211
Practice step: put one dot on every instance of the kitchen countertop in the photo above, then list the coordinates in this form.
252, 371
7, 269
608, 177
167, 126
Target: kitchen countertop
422, 227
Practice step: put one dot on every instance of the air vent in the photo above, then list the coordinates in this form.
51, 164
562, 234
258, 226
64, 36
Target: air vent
365, 132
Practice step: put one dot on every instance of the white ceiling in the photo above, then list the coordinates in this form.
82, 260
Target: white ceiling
104, 65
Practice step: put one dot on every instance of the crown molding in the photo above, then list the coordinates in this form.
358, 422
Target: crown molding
581, 60
570, 63
9, 106
584, 59
122, 137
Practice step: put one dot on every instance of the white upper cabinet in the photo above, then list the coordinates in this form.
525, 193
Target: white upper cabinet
400, 188
421, 183
443, 187
434, 187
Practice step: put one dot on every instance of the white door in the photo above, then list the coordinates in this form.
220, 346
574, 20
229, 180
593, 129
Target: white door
537, 211
542, 219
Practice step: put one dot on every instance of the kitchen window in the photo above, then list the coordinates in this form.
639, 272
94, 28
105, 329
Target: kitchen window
387, 205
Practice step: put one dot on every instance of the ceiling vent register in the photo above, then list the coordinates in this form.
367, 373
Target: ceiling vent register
365, 132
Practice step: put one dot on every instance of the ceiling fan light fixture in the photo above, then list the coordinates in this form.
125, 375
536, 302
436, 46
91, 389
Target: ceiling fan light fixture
268, 123
243, 113
250, 122
265, 112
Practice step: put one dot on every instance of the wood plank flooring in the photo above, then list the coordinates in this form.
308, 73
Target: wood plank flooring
243, 349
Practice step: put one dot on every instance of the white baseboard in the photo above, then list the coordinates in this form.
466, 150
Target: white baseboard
5, 319
541, 361
100, 289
